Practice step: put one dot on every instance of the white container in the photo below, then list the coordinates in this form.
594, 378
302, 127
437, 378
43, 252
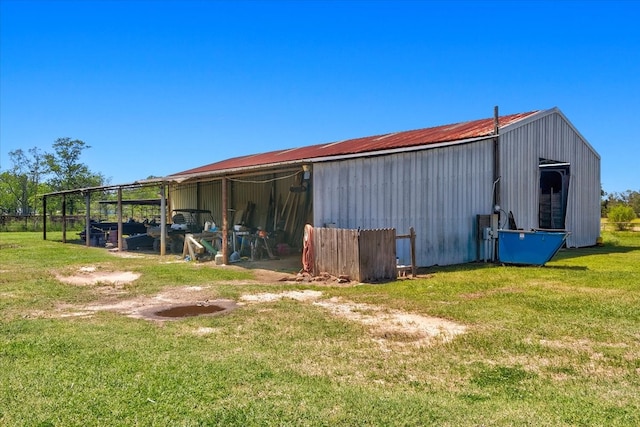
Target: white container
218, 259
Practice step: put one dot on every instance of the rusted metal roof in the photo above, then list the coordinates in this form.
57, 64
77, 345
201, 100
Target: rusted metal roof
398, 140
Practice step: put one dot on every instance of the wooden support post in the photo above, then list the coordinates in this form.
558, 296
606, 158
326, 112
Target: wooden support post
412, 249
120, 228
64, 219
87, 207
44, 218
225, 223
412, 242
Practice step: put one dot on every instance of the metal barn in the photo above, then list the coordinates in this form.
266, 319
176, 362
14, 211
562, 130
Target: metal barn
534, 168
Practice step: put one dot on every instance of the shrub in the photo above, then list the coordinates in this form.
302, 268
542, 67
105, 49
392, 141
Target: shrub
621, 216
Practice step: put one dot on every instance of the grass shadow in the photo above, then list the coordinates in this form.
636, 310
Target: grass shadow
566, 267
568, 253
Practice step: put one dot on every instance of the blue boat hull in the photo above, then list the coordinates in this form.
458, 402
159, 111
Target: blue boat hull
535, 247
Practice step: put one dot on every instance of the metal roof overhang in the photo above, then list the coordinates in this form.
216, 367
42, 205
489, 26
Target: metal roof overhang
132, 202
291, 164
136, 184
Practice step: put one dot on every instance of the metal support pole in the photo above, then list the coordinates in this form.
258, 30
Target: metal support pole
496, 177
496, 158
163, 220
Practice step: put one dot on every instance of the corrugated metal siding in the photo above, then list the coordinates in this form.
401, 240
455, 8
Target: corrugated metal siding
551, 137
183, 196
439, 192
252, 190
256, 189
210, 198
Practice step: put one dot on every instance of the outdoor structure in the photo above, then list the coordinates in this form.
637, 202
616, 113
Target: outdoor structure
455, 185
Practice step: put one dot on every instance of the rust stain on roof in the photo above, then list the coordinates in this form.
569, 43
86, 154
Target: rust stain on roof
396, 140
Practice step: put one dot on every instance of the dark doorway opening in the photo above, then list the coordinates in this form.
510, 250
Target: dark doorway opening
553, 194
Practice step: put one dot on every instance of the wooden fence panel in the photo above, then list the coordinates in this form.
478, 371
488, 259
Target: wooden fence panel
348, 253
325, 250
377, 255
362, 255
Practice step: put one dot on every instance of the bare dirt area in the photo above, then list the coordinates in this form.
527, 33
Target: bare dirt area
92, 275
147, 307
386, 326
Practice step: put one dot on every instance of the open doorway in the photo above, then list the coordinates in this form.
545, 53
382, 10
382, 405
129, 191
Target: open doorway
553, 194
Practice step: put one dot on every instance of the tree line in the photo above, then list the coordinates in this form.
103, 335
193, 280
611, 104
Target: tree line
620, 208
36, 172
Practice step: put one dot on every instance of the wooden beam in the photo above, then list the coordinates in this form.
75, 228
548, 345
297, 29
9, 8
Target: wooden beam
64, 219
87, 215
225, 222
44, 218
120, 228
412, 241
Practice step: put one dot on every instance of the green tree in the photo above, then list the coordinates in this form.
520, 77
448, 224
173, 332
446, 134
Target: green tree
627, 198
22, 182
634, 201
68, 173
621, 215
604, 203
9, 185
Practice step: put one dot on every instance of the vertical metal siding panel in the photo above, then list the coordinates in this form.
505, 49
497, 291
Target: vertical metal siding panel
211, 199
519, 175
183, 196
438, 192
416, 188
334, 211
319, 188
372, 203
387, 192
367, 194
358, 197
551, 137
255, 192
322, 199
519, 163
321, 202
343, 200
447, 233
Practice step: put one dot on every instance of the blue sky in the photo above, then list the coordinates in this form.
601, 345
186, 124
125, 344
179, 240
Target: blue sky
157, 87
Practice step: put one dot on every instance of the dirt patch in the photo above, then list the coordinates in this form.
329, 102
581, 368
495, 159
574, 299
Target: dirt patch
146, 307
305, 296
91, 275
179, 311
394, 325
385, 325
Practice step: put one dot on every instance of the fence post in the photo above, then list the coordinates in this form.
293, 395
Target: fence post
412, 242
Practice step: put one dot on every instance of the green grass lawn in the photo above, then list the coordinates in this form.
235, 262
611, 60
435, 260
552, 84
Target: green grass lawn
553, 345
